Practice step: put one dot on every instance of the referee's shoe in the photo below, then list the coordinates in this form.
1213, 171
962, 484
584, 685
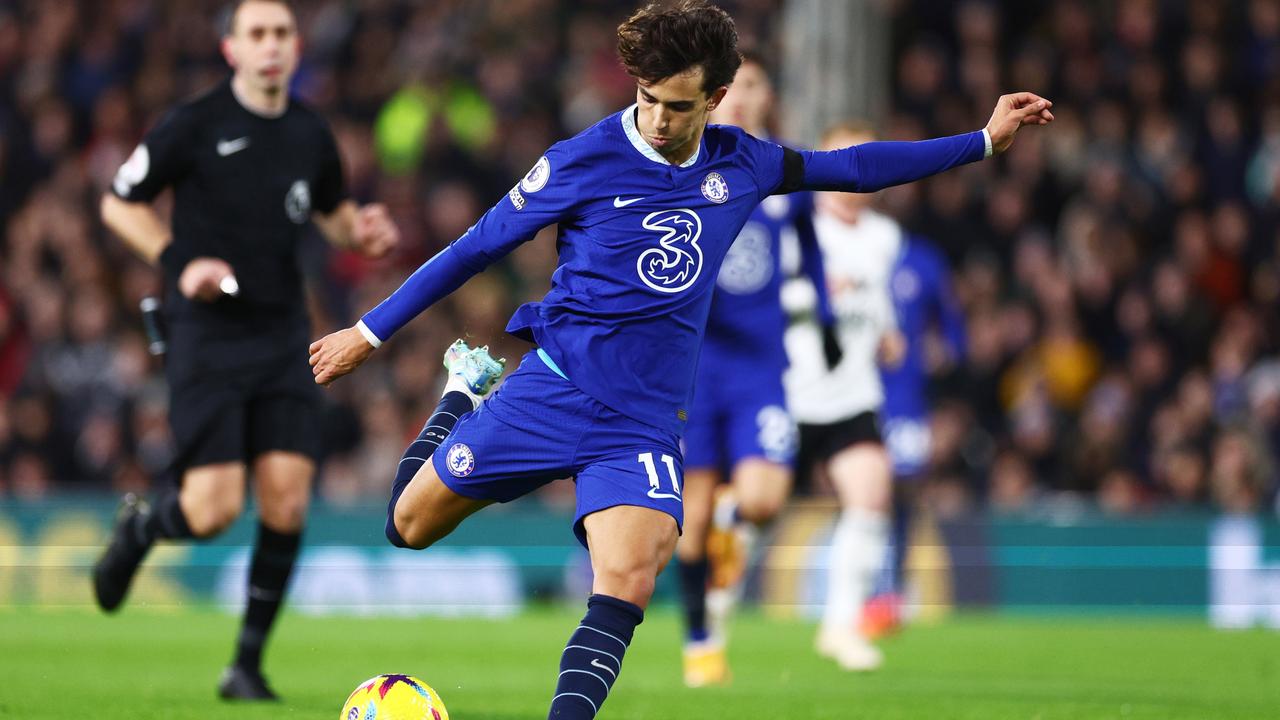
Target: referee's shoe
114, 571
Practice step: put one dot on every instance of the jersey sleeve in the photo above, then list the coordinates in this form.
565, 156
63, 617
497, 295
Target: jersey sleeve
867, 167
811, 257
547, 194
160, 160
875, 166
329, 186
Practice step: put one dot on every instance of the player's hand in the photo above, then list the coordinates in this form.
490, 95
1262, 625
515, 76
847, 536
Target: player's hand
203, 277
337, 354
893, 349
1011, 113
375, 233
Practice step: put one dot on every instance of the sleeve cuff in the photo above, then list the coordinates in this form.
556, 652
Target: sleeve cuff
368, 334
986, 139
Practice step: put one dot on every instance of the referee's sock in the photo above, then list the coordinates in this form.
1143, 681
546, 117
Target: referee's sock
165, 521
273, 559
592, 658
456, 402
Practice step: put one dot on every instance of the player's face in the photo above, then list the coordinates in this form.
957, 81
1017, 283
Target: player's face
749, 100
263, 45
845, 206
672, 113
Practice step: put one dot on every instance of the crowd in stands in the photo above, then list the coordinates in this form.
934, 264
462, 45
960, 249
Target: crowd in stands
1119, 271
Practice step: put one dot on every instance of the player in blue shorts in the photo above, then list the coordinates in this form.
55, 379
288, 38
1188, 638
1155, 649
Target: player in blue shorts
647, 203
921, 290
739, 426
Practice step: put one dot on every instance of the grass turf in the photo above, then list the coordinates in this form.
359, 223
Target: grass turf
140, 664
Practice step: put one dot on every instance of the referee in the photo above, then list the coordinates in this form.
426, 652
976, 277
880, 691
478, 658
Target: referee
249, 167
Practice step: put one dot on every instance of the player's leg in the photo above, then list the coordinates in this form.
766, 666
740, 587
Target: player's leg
282, 487
704, 658
422, 509
704, 662
906, 437
761, 439
629, 546
862, 476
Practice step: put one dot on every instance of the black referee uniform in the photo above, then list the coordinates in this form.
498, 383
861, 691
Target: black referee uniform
244, 186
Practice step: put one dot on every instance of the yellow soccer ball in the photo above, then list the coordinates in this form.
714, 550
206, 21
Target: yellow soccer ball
394, 697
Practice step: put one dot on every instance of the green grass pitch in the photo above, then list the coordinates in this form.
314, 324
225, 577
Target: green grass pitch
150, 664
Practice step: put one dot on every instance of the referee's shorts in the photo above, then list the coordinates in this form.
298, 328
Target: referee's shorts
237, 412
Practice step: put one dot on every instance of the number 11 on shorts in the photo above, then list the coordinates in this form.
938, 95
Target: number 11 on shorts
655, 485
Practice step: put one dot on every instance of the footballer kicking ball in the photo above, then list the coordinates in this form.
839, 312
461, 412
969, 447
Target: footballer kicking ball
394, 697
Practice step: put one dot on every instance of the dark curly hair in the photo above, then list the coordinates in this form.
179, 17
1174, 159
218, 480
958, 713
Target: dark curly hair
661, 40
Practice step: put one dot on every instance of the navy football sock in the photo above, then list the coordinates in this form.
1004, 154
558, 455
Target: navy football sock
693, 596
592, 658
273, 559
452, 406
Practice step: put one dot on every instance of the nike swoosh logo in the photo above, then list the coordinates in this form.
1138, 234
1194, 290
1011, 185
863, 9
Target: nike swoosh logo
227, 147
653, 493
596, 663
618, 202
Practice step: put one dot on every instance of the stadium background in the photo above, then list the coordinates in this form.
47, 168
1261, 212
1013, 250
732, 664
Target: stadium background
1109, 442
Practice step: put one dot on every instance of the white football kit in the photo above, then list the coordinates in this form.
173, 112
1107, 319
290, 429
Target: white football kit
859, 262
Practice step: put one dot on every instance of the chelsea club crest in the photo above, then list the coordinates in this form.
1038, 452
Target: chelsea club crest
460, 459
714, 188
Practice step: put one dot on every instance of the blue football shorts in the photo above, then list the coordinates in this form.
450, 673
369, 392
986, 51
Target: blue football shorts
538, 427
907, 438
739, 411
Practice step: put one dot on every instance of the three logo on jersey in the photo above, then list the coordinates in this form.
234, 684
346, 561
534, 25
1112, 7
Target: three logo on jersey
675, 264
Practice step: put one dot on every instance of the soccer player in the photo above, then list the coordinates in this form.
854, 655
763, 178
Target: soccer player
738, 422
249, 167
838, 408
647, 203
922, 296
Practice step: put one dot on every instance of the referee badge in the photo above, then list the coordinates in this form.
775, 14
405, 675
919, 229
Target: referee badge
460, 459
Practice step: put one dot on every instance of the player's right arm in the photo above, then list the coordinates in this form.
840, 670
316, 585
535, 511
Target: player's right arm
546, 195
162, 158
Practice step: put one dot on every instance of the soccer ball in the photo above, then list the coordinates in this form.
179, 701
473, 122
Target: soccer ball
394, 697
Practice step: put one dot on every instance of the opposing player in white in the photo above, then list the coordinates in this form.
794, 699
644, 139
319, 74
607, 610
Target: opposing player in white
836, 408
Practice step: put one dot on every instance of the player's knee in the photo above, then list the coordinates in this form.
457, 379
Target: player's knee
410, 529
634, 583
760, 508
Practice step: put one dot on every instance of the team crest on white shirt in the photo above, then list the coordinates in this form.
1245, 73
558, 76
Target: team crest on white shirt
714, 188
460, 460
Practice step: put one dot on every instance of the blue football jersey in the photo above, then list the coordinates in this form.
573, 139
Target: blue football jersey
922, 295
640, 245
746, 318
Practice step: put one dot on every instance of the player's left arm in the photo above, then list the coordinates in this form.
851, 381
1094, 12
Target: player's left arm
874, 166
367, 229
